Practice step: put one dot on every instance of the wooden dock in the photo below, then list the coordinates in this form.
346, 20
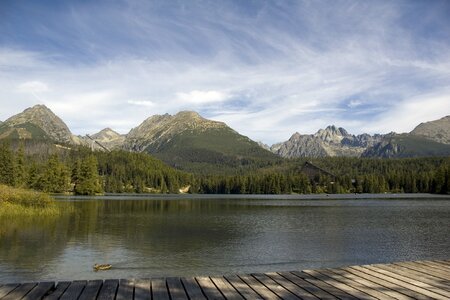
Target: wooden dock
404, 280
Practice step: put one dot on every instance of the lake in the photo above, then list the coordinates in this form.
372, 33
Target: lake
160, 236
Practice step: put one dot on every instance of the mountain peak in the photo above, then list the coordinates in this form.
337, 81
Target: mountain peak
331, 141
332, 134
295, 136
158, 128
109, 138
39, 106
437, 130
188, 114
336, 130
106, 133
42, 117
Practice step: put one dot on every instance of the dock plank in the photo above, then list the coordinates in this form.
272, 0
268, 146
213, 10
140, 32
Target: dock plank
176, 289
192, 288
436, 264
385, 281
142, 289
424, 277
159, 289
444, 262
290, 286
307, 286
363, 285
74, 290
108, 289
209, 288
324, 285
125, 290
275, 287
40, 290
58, 290
435, 292
321, 275
20, 291
91, 290
428, 270
401, 280
420, 293
436, 268
243, 288
258, 287
366, 280
227, 290
7, 288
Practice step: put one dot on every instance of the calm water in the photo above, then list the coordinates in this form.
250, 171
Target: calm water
170, 236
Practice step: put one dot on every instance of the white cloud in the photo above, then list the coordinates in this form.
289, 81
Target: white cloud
141, 103
33, 87
265, 78
201, 97
354, 103
409, 113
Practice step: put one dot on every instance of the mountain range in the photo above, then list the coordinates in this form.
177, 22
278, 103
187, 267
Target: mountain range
331, 141
185, 140
188, 141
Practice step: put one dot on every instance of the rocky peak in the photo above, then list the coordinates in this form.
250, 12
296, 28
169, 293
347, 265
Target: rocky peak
332, 134
188, 114
41, 116
109, 138
160, 128
438, 130
331, 141
106, 134
295, 137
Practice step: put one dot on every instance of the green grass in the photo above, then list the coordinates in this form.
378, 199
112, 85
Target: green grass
22, 202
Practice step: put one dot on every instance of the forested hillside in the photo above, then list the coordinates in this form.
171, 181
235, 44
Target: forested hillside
82, 171
85, 172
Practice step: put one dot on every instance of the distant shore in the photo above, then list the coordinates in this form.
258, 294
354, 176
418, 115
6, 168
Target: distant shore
109, 196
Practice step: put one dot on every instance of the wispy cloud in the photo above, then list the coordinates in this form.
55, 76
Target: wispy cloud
268, 69
141, 103
33, 87
201, 97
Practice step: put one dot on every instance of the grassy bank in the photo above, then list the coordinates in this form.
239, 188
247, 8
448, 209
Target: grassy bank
22, 202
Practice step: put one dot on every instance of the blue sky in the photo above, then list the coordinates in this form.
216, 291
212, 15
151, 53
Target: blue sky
266, 68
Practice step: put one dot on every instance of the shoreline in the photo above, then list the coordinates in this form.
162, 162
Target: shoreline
410, 196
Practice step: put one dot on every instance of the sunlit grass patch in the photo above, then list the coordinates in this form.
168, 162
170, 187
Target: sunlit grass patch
22, 202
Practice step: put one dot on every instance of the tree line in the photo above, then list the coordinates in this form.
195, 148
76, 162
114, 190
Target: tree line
84, 172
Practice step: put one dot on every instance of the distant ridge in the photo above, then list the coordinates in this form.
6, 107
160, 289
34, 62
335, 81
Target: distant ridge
331, 141
188, 141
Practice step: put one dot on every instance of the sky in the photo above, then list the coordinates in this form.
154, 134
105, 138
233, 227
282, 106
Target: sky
266, 68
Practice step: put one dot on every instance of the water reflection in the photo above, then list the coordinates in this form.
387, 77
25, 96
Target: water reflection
151, 238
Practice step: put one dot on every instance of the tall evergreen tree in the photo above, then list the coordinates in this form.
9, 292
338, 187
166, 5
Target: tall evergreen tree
89, 182
21, 172
7, 165
55, 177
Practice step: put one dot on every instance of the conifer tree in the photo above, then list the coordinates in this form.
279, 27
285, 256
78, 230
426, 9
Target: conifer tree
55, 177
89, 182
7, 165
21, 173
